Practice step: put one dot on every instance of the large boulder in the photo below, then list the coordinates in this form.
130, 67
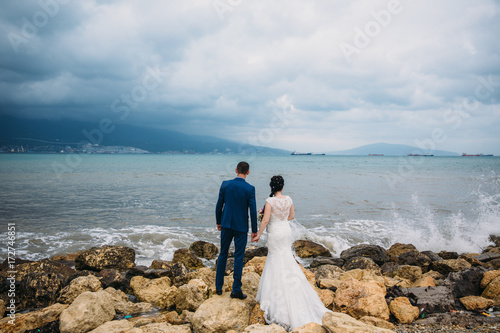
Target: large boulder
88, 311
125, 307
492, 291
113, 278
189, 297
342, 323
158, 292
37, 283
476, 303
488, 277
251, 252
415, 258
308, 249
466, 282
450, 265
204, 249
362, 298
188, 258
221, 314
376, 253
360, 263
433, 300
402, 309
107, 256
32, 320
78, 286
327, 272
397, 249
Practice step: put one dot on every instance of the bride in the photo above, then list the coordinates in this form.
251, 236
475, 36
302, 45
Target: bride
285, 295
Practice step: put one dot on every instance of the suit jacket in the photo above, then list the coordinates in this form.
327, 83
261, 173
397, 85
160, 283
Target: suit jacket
236, 197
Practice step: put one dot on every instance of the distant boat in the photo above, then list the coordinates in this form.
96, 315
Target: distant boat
420, 155
465, 154
375, 154
307, 154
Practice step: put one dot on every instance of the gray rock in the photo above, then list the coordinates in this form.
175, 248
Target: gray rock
318, 261
466, 282
433, 299
432, 255
376, 253
488, 256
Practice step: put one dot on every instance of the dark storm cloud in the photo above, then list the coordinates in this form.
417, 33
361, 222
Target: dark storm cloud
227, 68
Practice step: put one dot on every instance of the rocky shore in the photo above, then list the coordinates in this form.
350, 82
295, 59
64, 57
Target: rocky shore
369, 289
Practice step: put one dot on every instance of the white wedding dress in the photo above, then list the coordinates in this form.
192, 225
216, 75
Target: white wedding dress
285, 295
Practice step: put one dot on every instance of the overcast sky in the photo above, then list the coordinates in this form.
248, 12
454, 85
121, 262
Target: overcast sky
300, 75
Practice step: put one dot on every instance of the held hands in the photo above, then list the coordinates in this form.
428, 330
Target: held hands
255, 237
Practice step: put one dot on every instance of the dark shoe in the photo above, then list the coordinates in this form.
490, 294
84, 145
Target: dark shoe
239, 295
218, 292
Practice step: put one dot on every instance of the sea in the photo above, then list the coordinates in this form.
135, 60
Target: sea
156, 204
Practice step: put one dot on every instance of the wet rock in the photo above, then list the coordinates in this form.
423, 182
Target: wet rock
77, 287
450, 265
397, 249
259, 328
3, 308
341, 323
374, 252
250, 252
188, 258
108, 256
476, 303
87, 312
221, 314
415, 258
466, 282
402, 309
488, 256
32, 320
448, 255
319, 261
204, 249
362, 298
40, 289
432, 255
112, 278
437, 299
360, 263
495, 239
308, 249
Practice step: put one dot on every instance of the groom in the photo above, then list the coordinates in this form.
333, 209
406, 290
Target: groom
236, 197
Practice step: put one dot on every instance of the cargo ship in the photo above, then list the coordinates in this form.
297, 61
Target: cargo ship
465, 154
306, 154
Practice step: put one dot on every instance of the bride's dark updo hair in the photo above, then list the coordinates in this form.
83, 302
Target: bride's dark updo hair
277, 183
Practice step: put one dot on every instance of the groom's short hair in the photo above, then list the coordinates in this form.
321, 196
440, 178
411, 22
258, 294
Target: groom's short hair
243, 168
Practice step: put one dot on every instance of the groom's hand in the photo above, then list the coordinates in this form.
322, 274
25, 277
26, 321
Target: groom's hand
254, 237
219, 227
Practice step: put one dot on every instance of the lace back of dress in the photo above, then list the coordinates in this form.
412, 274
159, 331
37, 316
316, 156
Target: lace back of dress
280, 208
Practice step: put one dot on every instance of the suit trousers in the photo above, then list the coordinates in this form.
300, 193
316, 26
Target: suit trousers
240, 243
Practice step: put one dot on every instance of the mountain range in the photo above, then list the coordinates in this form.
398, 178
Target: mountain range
389, 149
39, 132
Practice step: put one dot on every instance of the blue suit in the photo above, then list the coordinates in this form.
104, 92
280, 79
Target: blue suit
236, 198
